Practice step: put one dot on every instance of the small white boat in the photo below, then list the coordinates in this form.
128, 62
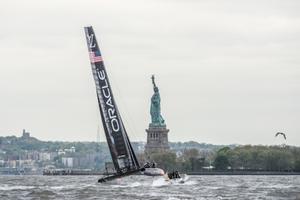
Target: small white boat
183, 178
153, 172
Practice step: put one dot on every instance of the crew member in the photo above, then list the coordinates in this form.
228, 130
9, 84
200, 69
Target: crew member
153, 165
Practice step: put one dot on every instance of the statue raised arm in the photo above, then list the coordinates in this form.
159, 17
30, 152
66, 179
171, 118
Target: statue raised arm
153, 81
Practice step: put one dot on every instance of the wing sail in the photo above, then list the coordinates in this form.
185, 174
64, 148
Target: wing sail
123, 156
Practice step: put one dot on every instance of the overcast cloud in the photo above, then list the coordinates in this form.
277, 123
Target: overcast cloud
228, 71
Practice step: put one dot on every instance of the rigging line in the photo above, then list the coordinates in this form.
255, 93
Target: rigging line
100, 128
125, 115
98, 138
129, 122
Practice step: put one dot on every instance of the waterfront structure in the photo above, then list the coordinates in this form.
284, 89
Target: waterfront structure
157, 132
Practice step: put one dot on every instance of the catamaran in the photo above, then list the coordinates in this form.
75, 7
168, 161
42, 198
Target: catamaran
124, 159
123, 156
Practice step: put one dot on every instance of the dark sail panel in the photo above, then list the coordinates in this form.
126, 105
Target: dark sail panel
121, 151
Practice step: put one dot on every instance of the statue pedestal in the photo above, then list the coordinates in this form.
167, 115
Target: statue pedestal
157, 139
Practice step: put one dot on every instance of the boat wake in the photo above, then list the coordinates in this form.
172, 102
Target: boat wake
131, 185
7, 187
161, 181
153, 182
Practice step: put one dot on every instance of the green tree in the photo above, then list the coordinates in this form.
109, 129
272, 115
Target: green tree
221, 161
165, 160
297, 165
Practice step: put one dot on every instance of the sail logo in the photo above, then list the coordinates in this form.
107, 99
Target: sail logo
111, 111
91, 41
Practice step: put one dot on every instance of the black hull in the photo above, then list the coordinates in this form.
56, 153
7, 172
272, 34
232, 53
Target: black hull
115, 176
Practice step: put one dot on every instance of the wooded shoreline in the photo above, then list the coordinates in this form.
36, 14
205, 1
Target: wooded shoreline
255, 173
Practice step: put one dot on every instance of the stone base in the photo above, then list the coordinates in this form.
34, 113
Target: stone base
157, 139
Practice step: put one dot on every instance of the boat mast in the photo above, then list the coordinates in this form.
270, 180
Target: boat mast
122, 153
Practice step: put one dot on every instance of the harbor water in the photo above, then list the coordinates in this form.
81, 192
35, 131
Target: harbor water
143, 187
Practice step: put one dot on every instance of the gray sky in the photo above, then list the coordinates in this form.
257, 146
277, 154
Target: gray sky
228, 71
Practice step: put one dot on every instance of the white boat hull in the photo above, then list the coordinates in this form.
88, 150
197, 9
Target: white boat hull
153, 172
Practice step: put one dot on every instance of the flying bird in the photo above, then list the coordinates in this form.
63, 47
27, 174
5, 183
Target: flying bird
279, 133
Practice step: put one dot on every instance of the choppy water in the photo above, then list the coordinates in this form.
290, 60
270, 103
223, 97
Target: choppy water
142, 187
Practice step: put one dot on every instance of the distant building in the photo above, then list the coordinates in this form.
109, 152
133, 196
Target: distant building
44, 156
32, 155
25, 134
53, 155
12, 163
71, 150
67, 162
61, 152
25, 163
2, 162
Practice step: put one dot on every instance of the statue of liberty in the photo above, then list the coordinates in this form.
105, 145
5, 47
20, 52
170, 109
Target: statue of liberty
156, 118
